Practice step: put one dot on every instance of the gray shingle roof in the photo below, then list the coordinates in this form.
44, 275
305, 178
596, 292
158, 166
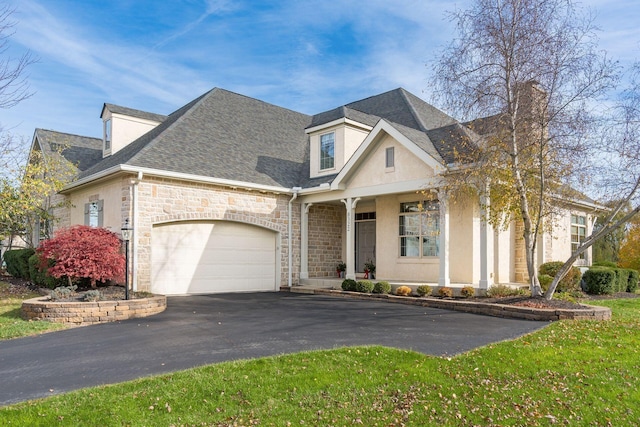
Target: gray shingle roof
223, 135
133, 112
81, 151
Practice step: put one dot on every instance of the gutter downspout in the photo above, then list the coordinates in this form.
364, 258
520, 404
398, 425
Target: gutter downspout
134, 224
290, 229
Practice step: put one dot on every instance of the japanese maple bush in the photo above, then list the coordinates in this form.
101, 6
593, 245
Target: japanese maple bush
83, 252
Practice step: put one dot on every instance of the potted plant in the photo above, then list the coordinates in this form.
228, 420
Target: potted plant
340, 269
369, 270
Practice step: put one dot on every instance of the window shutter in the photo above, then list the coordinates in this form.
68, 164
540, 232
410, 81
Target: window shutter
100, 213
86, 213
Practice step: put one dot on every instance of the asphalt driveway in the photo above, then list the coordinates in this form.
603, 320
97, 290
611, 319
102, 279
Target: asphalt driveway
199, 330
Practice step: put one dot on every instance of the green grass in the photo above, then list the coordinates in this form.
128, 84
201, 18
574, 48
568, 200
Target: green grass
570, 373
12, 325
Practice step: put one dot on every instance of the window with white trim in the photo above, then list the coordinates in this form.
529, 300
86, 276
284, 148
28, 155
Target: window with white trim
93, 213
419, 229
327, 151
578, 233
389, 157
107, 135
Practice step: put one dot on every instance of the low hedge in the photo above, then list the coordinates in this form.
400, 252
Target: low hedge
600, 280
382, 288
349, 285
364, 286
17, 261
634, 277
40, 276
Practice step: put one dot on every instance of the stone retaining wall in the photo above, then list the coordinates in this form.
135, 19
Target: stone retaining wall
89, 313
490, 309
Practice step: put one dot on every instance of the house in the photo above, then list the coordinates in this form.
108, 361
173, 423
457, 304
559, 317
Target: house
230, 193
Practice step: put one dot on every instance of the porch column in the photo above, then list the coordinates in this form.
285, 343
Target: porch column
443, 199
350, 204
486, 241
304, 240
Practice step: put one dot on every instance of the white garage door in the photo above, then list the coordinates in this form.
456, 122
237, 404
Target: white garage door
212, 257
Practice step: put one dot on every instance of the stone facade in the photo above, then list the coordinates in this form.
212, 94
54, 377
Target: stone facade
325, 239
165, 200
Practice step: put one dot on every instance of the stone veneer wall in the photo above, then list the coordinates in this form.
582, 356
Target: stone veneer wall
325, 239
89, 313
166, 200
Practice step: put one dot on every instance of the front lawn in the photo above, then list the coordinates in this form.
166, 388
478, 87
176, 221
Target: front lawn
11, 324
571, 373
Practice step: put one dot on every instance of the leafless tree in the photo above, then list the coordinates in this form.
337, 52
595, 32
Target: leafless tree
531, 71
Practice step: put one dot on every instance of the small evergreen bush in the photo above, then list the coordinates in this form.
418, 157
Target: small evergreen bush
349, 285
445, 292
382, 288
364, 286
424, 290
17, 261
468, 292
498, 291
93, 295
570, 282
545, 280
600, 280
62, 292
634, 277
403, 291
609, 264
40, 276
622, 278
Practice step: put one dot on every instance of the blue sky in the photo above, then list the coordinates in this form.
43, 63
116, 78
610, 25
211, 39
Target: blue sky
308, 56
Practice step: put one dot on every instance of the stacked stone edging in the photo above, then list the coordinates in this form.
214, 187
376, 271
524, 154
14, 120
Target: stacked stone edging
490, 309
89, 313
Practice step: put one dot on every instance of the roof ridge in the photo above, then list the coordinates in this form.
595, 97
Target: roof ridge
66, 133
412, 109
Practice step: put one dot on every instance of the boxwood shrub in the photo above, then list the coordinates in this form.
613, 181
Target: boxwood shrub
349, 285
18, 262
382, 288
600, 280
364, 286
570, 282
622, 279
634, 277
40, 277
424, 290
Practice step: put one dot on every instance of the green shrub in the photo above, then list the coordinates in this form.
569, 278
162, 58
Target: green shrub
62, 292
93, 295
622, 279
545, 280
634, 277
18, 262
403, 291
349, 285
40, 277
570, 282
600, 280
468, 292
424, 290
445, 292
609, 264
382, 288
364, 286
498, 291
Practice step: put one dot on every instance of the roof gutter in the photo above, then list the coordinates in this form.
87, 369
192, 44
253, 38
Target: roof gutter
174, 175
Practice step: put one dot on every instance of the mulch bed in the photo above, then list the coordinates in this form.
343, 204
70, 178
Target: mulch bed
20, 287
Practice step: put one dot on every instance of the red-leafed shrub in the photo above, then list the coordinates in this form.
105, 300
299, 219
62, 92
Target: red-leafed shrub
83, 252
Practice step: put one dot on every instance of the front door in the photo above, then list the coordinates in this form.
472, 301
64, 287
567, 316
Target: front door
365, 243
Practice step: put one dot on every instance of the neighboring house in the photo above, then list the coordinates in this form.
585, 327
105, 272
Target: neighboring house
230, 193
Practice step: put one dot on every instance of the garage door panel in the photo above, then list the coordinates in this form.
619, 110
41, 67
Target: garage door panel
210, 257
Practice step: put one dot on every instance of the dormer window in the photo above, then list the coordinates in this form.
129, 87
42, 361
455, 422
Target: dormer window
327, 151
107, 135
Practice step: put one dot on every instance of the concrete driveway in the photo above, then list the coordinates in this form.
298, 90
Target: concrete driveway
198, 330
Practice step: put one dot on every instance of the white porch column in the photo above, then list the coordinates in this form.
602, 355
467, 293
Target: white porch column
443, 198
486, 241
304, 240
350, 204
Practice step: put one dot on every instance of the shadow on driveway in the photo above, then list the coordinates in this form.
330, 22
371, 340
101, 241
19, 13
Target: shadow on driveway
199, 330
